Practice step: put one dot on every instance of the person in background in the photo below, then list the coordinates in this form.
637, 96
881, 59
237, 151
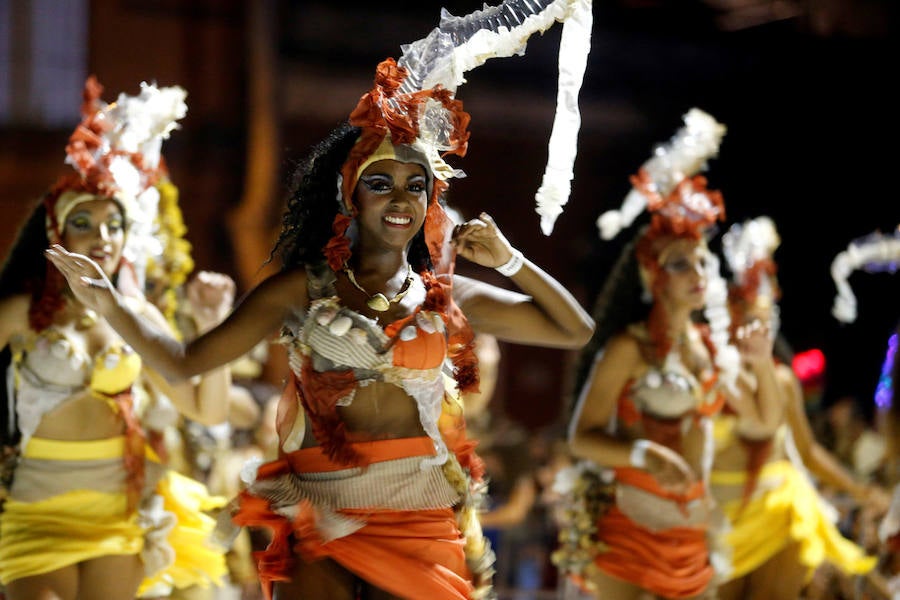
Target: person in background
91, 511
640, 514
779, 531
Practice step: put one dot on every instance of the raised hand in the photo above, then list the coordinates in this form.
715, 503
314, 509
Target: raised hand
211, 296
480, 241
88, 282
754, 342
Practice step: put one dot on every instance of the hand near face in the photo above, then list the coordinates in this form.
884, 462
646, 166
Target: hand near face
754, 342
211, 296
480, 241
88, 282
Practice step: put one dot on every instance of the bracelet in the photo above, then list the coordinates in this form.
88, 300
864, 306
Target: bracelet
638, 456
513, 265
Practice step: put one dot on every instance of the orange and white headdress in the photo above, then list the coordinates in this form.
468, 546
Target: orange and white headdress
116, 153
874, 253
669, 187
413, 104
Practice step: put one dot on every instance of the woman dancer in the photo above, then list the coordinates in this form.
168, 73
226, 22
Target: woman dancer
374, 490
779, 532
649, 381
91, 511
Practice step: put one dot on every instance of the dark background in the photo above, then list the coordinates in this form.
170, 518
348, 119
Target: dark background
804, 88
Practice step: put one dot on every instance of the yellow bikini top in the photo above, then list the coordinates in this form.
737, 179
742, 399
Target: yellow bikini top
47, 369
52, 359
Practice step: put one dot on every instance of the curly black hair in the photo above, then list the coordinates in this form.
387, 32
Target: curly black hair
313, 203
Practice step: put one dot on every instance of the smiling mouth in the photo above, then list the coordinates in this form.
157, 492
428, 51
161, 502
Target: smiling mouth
392, 220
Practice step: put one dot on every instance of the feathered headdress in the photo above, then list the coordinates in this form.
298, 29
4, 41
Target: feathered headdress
664, 181
876, 252
669, 187
116, 153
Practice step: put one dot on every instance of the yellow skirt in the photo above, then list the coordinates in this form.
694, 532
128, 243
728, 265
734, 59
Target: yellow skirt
66, 528
791, 512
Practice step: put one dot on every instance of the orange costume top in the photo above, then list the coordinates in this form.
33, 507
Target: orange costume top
639, 531
384, 509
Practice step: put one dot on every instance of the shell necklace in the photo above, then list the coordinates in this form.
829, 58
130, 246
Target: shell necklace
379, 302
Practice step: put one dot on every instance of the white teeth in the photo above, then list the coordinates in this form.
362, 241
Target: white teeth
398, 220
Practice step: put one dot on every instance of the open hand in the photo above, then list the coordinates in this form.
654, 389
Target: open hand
88, 282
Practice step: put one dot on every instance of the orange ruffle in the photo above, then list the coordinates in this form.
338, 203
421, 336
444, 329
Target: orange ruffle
412, 554
673, 563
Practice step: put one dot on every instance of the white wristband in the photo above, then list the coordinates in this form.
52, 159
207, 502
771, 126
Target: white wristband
638, 456
513, 265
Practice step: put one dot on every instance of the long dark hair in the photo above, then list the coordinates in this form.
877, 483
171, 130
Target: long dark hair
23, 272
618, 305
313, 203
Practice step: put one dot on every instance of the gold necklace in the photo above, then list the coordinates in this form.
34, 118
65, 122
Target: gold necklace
379, 302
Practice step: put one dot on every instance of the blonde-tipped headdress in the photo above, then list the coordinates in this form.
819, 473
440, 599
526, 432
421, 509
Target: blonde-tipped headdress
876, 252
116, 153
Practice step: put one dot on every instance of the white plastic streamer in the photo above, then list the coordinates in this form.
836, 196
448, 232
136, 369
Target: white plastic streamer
460, 44
876, 252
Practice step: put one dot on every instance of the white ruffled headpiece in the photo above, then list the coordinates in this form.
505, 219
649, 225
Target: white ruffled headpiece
876, 252
118, 147
685, 155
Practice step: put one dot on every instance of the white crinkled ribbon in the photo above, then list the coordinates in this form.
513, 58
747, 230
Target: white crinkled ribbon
574, 46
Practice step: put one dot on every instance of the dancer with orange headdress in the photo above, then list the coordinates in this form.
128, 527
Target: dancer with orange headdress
91, 511
640, 514
375, 488
761, 484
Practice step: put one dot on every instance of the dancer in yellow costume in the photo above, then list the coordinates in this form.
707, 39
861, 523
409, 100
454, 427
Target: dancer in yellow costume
780, 527
90, 510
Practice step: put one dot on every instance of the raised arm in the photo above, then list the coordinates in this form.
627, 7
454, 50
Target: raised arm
759, 401
544, 314
258, 315
818, 459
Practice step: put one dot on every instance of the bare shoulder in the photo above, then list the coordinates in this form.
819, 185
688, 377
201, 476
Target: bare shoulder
624, 345
14, 313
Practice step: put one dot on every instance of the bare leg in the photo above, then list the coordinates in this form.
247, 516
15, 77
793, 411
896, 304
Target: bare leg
56, 585
320, 580
736, 589
780, 578
610, 587
110, 577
